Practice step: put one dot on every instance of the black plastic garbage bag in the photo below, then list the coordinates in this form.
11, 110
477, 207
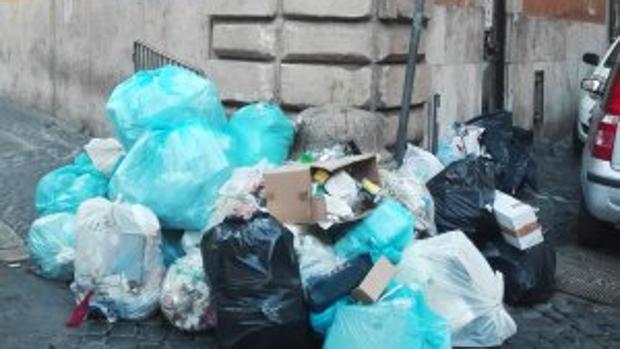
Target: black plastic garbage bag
463, 194
511, 148
529, 276
253, 271
325, 291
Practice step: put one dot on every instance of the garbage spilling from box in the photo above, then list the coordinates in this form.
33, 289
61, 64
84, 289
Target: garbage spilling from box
213, 222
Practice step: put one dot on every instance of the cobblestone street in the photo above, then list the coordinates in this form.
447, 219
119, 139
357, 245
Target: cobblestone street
33, 310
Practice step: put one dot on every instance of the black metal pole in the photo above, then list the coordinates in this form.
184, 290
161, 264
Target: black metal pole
414, 43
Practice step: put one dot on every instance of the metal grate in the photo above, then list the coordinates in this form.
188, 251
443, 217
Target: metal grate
146, 57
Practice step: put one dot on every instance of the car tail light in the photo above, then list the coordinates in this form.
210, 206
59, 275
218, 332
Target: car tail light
605, 136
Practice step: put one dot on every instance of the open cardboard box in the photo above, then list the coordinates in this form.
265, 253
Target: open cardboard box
289, 188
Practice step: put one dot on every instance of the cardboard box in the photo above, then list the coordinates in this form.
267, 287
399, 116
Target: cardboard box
524, 242
512, 214
377, 280
289, 188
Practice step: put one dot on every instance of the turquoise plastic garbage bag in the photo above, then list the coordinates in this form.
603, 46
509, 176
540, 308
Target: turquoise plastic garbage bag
321, 322
64, 189
384, 232
51, 241
175, 169
401, 320
149, 94
261, 131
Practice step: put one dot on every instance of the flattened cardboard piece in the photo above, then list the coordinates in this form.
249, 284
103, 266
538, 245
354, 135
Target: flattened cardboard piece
289, 188
375, 282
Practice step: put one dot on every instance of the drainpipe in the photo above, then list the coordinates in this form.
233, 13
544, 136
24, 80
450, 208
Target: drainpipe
414, 43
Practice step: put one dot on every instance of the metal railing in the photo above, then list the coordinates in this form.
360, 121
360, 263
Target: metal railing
146, 57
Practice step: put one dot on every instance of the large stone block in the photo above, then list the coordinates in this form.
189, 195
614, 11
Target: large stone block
241, 40
328, 8
242, 8
393, 42
307, 85
330, 42
401, 9
391, 82
455, 35
330, 125
536, 39
242, 81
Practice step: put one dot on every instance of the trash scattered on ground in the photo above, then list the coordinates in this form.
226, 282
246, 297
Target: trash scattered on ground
520, 226
105, 154
15, 265
64, 189
359, 260
151, 94
401, 319
254, 275
51, 241
464, 194
186, 296
460, 286
529, 275
118, 259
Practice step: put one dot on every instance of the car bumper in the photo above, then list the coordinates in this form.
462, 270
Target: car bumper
601, 190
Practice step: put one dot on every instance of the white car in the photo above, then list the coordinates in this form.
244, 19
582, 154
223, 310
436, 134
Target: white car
586, 100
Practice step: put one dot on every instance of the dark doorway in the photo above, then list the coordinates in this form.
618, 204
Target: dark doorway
614, 19
494, 54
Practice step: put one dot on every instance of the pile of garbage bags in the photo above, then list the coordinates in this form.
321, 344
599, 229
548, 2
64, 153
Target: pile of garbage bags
207, 219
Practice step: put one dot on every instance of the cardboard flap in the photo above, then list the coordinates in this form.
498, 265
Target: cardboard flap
288, 192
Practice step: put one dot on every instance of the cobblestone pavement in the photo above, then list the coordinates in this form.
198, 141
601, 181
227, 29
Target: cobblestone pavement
33, 310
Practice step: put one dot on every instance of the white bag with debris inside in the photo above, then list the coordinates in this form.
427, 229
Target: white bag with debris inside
460, 286
118, 257
316, 259
186, 296
412, 193
420, 164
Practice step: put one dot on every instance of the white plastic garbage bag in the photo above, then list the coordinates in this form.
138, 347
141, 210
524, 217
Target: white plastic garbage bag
460, 286
420, 164
407, 188
104, 153
316, 258
186, 296
118, 257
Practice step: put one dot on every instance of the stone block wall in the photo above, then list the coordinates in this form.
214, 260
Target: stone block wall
306, 53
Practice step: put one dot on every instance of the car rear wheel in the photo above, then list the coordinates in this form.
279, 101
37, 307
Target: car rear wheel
588, 227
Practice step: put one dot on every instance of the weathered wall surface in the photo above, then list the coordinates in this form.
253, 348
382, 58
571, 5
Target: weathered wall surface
65, 56
540, 38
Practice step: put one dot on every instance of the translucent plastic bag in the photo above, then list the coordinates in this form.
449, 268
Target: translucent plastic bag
65, 188
176, 169
148, 95
261, 132
51, 241
420, 164
316, 258
186, 296
386, 231
105, 154
400, 320
460, 286
412, 193
118, 257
